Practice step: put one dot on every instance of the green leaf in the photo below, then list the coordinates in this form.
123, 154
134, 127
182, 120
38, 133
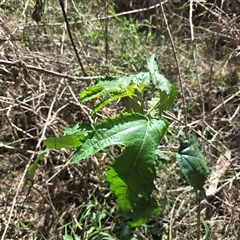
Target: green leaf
113, 97
143, 209
167, 92
111, 89
67, 237
97, 89
153, 66
77, 129
68, 141
132, 175
192, 162
33, 167
134, 103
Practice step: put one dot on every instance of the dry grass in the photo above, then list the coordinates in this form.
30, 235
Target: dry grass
39, 84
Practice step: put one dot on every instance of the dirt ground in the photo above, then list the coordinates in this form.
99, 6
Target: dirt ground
39, 97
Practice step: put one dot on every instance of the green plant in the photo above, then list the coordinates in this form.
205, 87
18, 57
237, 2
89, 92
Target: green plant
137, 132
67, 236
127, 44
89, 223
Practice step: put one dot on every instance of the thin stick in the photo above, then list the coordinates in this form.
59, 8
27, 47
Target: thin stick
178, 66
198, 200
109, 16
42, 70
195, 62
225, 101
172, 218
64, 30
31, 158
10, 123
15, 200
106, 33
25, 171
71, 37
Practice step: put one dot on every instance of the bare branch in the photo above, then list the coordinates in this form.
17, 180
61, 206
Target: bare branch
42, 70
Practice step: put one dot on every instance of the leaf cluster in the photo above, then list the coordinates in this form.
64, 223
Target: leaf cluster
131, 89
137, 132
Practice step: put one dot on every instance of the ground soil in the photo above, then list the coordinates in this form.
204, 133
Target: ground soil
39, 97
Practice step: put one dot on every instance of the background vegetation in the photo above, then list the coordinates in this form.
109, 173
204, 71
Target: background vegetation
197, 46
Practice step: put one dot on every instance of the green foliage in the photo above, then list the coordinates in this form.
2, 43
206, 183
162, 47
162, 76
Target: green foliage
92, 216
113, 89
130, 89
132, 174
166, 92
128, 44
192, 162
33, 167
68, 141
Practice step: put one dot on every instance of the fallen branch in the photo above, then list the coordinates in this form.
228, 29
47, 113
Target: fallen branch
21, 64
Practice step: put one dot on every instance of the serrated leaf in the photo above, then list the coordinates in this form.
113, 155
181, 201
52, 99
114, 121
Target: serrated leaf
113, 97
132, 175
192, 162
112, 89
167, 92
77, 129
68, 141
95, 90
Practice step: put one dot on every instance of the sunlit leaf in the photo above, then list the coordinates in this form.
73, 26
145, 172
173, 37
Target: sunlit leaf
166, 92
131, 177
33, 167
110, 89
67, 141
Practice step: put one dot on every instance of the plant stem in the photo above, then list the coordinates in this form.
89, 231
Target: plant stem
198, 200
106, 32
178, 68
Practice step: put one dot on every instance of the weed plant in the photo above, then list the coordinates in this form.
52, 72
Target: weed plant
137, 132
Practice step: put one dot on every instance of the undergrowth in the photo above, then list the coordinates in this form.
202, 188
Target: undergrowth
122, 112
137, 133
